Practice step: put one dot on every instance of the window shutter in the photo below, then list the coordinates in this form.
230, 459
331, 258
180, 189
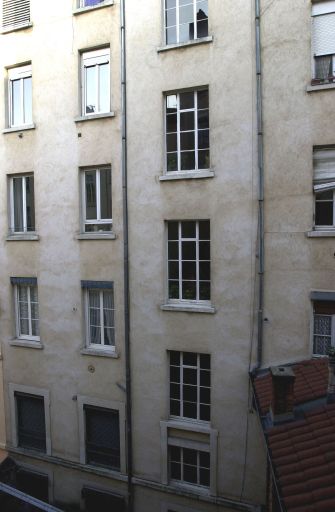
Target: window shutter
324, 34
324, 164
15, 13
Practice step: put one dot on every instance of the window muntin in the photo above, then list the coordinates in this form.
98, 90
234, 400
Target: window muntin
102, 428
189, 260
187, 131
189, 466
31, 431
27, 312
185, 20
100, 318
190, 385
20, 96
323, 327
15, 13
97, 200
22, 204
323, 40
96, 81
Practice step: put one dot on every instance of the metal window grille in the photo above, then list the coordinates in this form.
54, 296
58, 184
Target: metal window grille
30, 421
15, 13
189, 466
102, 437
190, 385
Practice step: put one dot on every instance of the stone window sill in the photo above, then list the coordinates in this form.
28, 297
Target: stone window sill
100, 353
96, 236
23, 128
186, 175
321, 233
26, 344
89, 8
82, 119
22, 236
319, 87
15, 29
195, 42
188, 307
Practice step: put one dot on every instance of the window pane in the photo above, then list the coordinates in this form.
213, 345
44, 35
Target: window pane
174, 374
24, 327
170, 3
171, 103
188, 229
187, 160
189, 250
27, 98
109, 337
89, 228
203, 99
104, 88
171, 35
205, 361
203, 159
205, 412
324, 213
204, 271
186, 140
204, 250
203, 139
95, 335
174, 358
35, 329
189, 270
175, 471
205, 378
171, 142
90, 191
109, 318
190, 393
173, 251
173, 270
106, 193
186, 14
189, 410
187, 121
202, 27
30, 203
172, 162
189, 290
175, 407
204, 477
108, 298
171, 123
190, 375
186, 100
173, 290
91, 91
88, 3
173, 231
204, 291
202, 9
102, 437
205, 395
186, 32
18, 204
190, 359
31, 422
203, 119
204, 230
16, 103
170, 17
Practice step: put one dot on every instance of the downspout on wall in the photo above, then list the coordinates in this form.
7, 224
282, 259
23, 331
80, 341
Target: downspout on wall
260, 153
126, 255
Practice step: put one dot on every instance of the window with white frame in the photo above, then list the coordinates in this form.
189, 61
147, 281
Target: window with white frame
26, 306
190, 385
15, 14
323, 326
20, 100
96, 185
189, 466
324, 187
187, 131
99, 298
89, 3
96, 82
185, 20
22, 204
189, 260
323, 40
102, 427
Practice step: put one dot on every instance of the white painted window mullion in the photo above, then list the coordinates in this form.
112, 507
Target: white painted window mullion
196, 127
24, 204
195, 19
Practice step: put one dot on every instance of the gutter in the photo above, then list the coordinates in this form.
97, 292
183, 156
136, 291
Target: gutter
126, 254
260, 153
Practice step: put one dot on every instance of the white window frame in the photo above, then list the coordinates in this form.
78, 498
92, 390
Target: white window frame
332, 329
86, 222
178, 24
24, 204
195, 447
18, 73
17, 313
94, 58
322, 8
105, 404
45, 394
196, 132
169, 440
197, 260
94, 346
324, 188
181, 383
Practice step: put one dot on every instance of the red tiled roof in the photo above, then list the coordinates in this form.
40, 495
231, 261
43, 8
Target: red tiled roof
310, 383
303, 455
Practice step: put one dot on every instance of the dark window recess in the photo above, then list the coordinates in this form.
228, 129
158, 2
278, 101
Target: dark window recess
30, 421
97, 501
102, 437
33, 484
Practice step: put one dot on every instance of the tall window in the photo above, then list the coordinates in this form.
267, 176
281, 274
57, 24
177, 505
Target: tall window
97, 199
324, 187
20, 96
15, 13
324, 327
187, 131
189, 260
96, 81
323, 40
100, 314
185, 20
102, 429
22, 204
26, 304
190, 385
31, 432
189, 466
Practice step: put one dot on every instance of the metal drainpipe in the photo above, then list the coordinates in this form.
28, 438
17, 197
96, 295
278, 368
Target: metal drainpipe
260, 150
126, 255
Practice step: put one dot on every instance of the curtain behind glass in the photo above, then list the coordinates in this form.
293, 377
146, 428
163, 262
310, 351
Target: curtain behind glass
94, 317
323, 67
105, 194
30, 203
